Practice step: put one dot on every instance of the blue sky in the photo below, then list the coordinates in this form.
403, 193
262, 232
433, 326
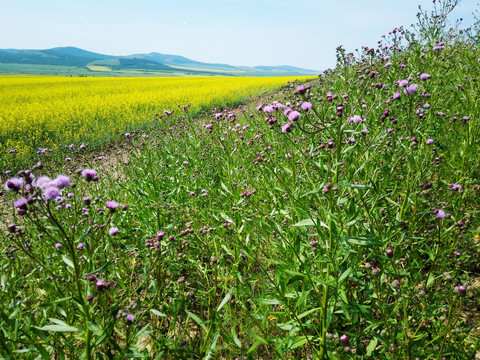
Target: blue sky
300, 33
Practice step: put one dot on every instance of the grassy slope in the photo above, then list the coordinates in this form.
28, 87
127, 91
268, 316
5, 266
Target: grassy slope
337, 238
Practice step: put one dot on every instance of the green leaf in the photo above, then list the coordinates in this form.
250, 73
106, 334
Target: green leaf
226, 218
213, 344
296, 278
302, 315
225, 300
306, 222
371, 346
94, 328
225, 188
430, 280
143, 331
227, 250
269, 301
392, 202
252, 348
135, 355
299, 341
302, 300
312, 192
344, 275
67, 261
235, 338
257, 337
99, 269
363, 240
39, 348
197, 320
158, 313
286, 327
58, 328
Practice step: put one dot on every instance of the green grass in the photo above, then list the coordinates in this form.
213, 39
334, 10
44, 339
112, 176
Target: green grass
352, 233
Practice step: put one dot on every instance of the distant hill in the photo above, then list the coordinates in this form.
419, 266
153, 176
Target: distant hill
74, 61
74, 51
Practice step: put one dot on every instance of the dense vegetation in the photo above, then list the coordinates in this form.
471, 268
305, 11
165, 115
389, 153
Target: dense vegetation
337, 219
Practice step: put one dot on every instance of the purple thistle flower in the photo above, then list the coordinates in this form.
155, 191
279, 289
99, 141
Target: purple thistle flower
396, 95
100, 284
294, 115
21, 204
12, 228
461, 290
43, 182
113, 231
388, 64
268, 109
112, 205
355, 119
60, 181
129, 318
425, 76
306, 105
51, 193
89, 174
455, 187
287, 127
300, 89
403, 83
441, 214
411, 89
58, 245
429, 141
14, 184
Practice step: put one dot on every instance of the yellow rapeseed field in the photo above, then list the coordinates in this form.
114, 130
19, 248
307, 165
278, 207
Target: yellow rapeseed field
48, 112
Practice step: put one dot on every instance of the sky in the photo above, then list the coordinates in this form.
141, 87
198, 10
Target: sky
303, 33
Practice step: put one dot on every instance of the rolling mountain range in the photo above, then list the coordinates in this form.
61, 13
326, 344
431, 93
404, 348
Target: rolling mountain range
78, 62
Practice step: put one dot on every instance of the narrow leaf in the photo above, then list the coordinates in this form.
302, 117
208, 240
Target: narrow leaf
305, 222
67, 261
225, 300
197, 320
158, 313
257, 337
371, 346
58, 328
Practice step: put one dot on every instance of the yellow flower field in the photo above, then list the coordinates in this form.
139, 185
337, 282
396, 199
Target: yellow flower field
48, 112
